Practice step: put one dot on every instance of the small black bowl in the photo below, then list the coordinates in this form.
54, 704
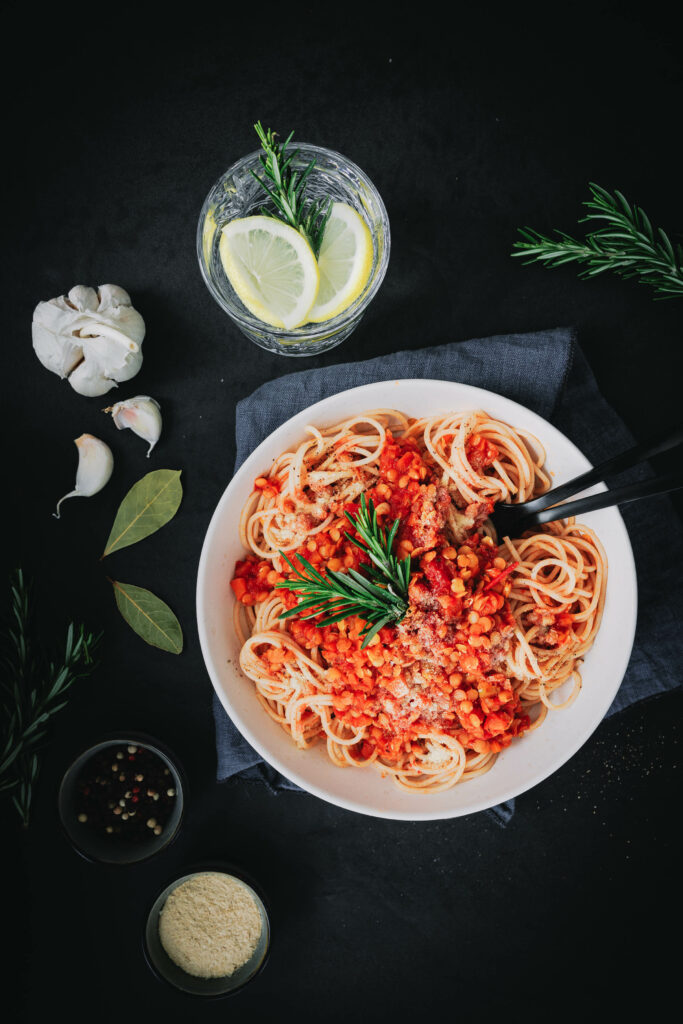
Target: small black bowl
99, 848
160, 962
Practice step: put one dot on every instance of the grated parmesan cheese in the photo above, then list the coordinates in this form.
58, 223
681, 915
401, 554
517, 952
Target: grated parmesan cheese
210, 925
437, 755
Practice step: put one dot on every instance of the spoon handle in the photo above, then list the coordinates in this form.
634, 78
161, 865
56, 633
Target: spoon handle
662, 442
663, 484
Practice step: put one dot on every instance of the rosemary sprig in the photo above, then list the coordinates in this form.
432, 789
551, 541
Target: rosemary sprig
380, 597
626, 245
32, 690
377, 545
287, 191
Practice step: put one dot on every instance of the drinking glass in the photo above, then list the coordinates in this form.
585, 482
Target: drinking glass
238, 194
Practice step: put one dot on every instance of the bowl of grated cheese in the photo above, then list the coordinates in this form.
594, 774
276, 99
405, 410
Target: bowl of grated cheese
207, 932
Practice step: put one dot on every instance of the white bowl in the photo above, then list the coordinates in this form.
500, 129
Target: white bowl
529, 759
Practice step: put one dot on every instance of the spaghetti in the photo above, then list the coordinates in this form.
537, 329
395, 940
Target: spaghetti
492, 629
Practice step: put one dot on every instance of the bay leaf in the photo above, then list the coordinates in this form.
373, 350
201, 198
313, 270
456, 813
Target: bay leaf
149, 616
149, 505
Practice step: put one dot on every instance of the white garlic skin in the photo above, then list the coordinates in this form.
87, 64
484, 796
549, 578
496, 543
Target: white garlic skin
142, 415
93, 338
95, 466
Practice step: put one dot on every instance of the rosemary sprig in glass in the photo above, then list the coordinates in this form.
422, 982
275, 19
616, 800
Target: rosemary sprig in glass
287, 189
626, 245
378, 595
32, 690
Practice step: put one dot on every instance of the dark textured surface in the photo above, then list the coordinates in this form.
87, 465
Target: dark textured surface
117, 133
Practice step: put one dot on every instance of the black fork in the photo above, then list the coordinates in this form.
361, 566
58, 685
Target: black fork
510, 520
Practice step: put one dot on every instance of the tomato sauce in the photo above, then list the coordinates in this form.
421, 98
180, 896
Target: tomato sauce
440, 670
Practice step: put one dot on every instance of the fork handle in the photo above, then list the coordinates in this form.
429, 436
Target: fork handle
662, 442
663, 484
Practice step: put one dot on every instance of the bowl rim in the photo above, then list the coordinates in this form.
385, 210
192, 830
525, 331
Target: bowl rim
308, 332
70, 775
204, 867
317, 413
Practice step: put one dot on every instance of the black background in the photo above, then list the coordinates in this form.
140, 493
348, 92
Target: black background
115, 130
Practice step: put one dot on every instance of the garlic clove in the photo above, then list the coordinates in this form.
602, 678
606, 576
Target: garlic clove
83, 298
142, 415
107, 362
92, 337
107, 331
50, 321
95, 465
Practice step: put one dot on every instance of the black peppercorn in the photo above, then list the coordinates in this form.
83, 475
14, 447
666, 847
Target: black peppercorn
109, 801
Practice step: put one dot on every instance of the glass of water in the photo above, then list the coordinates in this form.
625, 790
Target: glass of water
237, 194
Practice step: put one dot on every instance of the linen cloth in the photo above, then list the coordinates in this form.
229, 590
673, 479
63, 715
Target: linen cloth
547, 372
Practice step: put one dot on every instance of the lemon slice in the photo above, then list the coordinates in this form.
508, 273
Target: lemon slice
272, 268
344, 262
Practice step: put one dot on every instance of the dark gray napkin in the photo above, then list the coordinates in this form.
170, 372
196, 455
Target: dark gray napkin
547, 372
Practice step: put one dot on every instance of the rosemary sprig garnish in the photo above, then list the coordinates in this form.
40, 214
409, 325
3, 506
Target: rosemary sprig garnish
32, 690
287, 189
377, 545
380, 597
626, 245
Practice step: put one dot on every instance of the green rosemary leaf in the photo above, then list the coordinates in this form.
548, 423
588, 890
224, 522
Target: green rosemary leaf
375, 629
289, 563
307, 565
34, 690
667, 244
354, 540
362, 582
392, 533
287, 191
302, 606
336, 617
289, 613
376, 593
627, 245
314, 613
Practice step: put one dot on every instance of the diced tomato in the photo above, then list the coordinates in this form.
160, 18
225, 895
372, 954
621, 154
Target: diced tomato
239, 585
499, 577
481, 453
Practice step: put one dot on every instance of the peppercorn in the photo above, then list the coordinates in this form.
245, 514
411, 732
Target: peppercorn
108, 798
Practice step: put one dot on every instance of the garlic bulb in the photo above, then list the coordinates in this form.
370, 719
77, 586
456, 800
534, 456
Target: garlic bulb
142, 415
95, 465
92, 337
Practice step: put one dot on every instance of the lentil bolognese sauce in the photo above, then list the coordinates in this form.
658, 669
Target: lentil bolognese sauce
491, 628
